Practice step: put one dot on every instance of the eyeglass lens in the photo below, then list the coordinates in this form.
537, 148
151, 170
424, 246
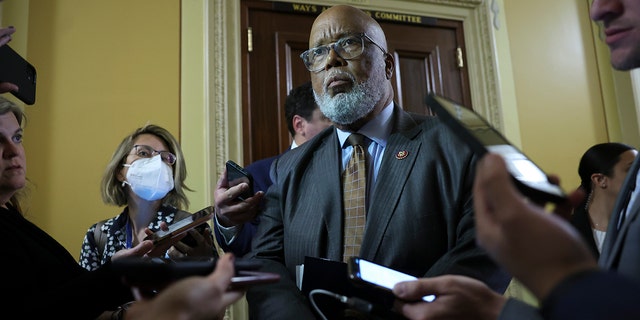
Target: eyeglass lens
348, 48
144, 151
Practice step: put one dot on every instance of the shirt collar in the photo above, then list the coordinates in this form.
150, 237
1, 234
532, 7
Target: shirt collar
378, 129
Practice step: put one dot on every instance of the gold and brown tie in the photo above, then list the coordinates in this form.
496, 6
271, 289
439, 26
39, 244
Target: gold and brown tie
354, 192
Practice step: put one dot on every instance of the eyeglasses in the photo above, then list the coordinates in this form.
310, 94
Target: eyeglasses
348, 48
144, 151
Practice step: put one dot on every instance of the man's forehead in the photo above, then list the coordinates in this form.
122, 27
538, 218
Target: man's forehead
330, 32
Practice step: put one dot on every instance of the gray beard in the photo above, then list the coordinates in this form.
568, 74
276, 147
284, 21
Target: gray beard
347, 108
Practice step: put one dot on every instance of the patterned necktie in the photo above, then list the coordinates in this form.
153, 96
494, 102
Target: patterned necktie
354, 191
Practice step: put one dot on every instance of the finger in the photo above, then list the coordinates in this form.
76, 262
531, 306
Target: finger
574, 199
7, 87
162, 247
496, 199
5, 35
197, 236
175, 252
224, 270
222, 181
208, 236
414, 310
137, 295
416, 289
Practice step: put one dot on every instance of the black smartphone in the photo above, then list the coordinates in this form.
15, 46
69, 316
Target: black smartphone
247, 278
182, 226
237, 175
366, 273
15, 69
472, 128
150, 272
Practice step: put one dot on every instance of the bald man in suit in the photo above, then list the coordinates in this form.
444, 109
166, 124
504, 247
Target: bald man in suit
419, 217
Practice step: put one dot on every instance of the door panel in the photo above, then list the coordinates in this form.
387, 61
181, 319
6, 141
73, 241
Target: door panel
425, 57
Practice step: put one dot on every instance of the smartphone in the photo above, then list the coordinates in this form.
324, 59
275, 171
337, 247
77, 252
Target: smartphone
15, 69
182, 226
237, 175
472, 128
367, 273
247, 278
159, 271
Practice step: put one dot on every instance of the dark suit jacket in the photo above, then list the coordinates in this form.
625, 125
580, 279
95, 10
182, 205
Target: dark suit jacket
593, 295
420, 218
620, 252
621, 248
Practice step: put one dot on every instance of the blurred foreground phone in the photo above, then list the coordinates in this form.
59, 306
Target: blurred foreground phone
237, 175
17, 70
482, 137
366, 273
158, 272
182, 226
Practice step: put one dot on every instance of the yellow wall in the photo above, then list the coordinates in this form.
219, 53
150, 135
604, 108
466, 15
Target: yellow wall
556, 83
104, 69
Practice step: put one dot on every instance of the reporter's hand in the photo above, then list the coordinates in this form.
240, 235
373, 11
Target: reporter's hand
138, 251
457, 297
7, 87
204, 245
231, 212
191, 298
160, 249
536, 247
5, 34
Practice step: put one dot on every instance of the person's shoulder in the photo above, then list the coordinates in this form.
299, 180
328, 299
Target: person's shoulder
261, 165
262, 162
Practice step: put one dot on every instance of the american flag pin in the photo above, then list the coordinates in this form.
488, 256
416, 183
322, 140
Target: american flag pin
402, 154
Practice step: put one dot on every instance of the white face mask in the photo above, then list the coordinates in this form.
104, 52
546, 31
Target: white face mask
150, 178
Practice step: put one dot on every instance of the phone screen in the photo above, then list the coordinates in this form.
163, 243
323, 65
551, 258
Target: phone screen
483, 137
182, 226
379, 276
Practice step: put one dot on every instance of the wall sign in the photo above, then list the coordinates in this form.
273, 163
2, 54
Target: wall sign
315, 9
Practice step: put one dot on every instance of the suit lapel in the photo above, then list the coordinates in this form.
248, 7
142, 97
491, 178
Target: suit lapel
399, 158
615, 237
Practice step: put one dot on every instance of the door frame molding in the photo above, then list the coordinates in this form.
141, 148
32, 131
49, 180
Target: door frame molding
211, 112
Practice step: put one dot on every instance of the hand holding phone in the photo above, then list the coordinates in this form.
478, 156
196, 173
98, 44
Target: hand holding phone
482, 137
237, 175
179, 227
155, 273
378, 277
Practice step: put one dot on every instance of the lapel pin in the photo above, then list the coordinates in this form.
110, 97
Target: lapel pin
402, 154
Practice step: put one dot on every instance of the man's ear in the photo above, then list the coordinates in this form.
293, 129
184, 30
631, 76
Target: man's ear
298, 124
389, 64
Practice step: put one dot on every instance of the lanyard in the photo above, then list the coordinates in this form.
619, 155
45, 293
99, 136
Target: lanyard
129, 235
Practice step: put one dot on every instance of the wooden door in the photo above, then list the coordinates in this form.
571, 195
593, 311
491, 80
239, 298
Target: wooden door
426, 52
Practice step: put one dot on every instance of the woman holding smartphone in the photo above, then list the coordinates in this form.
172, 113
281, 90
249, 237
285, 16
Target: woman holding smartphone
146, 175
